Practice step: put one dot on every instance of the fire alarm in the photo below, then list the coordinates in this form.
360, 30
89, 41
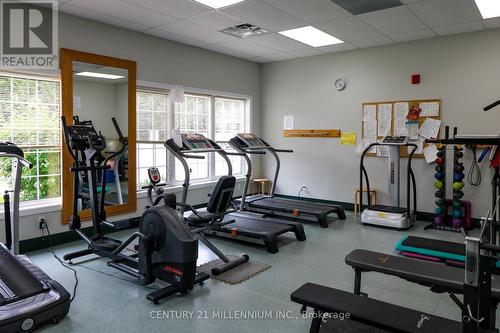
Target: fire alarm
415, 79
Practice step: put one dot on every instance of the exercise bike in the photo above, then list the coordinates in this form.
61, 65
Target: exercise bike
167, 249
202, 222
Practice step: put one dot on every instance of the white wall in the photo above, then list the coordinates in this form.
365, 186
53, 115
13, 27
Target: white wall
462, 70
161, 61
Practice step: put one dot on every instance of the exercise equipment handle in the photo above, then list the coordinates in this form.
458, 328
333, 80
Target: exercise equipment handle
118, 129
283, 150
8, 225
491, 106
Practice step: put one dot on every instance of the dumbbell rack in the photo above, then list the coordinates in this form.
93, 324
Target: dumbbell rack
460, 218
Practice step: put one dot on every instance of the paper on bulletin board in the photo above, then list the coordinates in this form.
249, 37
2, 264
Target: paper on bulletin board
369, 112
430, 128
384, 119
429, 109
347, 138
365, 142
288, 123
430, 153
412, 128
370, 128
400, 113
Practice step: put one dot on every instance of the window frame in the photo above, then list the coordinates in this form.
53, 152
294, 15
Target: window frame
38, 149
212, 94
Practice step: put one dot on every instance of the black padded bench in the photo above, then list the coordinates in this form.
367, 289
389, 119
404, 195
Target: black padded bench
372, 312
439, 277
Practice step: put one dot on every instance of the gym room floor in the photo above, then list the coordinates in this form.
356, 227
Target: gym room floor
320, 259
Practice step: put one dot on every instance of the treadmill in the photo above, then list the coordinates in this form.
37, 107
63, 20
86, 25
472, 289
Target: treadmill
28, 297
271, 205
237, 225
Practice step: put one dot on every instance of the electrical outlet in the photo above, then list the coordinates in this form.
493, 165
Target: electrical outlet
42, 223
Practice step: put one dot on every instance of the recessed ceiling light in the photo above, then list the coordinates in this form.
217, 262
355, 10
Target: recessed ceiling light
488, 8
216, 4
311, 36
100, 75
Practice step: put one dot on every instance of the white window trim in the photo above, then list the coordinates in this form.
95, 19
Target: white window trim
144, 85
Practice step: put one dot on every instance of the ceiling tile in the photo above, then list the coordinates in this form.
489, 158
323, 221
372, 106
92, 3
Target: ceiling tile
177, 8
393, 20
337, 48
277, 42
460, 28
414, 35
195, 31
264, 16
441, 13
126, 11
306, 52
214, 20
176, 37
377, 41
492, 23
349, 29
96, 16
311, 11
240, 45
276, 57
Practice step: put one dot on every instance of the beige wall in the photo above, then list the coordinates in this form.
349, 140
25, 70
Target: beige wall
462, 70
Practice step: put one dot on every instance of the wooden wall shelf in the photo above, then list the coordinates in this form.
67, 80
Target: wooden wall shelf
312, 133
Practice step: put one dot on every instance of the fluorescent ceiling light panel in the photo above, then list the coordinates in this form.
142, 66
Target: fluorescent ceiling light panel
488, 8
311, 36
100, 75
216, 4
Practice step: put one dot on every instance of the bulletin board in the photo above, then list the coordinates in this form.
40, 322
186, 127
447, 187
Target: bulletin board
379, 119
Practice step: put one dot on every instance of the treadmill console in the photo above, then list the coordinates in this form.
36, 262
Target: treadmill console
252, 140
194, 141
395, 140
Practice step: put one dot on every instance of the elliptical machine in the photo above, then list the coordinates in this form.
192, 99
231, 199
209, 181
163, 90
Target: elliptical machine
167, 250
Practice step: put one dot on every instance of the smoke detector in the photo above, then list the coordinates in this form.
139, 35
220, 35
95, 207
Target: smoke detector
244, 30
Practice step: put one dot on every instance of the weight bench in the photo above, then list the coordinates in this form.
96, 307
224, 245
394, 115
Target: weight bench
440, 278
372, 312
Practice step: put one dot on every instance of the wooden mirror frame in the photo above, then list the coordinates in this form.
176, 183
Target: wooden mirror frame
67, 58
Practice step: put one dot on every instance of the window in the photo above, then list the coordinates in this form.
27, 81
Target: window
152, 129
30, 118
192, 116
218, 118
229, 121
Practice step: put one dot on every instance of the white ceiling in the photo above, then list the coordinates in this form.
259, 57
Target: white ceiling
189, 22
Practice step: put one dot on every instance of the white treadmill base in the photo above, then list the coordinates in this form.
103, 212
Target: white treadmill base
390, 220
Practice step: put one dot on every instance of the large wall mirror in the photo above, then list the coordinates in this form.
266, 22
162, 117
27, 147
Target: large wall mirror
102, 90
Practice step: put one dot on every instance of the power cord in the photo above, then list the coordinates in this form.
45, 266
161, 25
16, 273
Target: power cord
474, 174
304, 187
45, 226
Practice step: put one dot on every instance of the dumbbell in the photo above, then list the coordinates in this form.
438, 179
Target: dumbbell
458, 176
458, 195
438, 184
439, 175
457, 186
